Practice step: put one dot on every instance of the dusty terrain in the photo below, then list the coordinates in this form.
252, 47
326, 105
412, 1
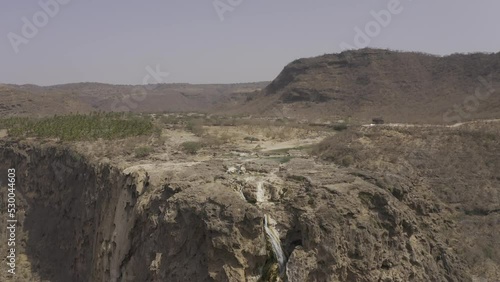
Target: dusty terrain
282, 182
366, 204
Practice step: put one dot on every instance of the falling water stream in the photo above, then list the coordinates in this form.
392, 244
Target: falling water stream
274, 239
271, 232
260, 195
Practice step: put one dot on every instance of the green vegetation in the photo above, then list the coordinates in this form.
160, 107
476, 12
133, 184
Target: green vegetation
195, 127
340, 127
347, 160
251, 139
287, 150
191, 147
170, 119
80, 127
141, 152
282, 160
285, 159
270, 269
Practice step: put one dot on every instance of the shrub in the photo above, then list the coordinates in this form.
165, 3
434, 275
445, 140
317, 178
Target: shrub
226, 137
191, 147
195, 127
251, 139
170, 119
347, 160
341, 149
285, 159
142, 152
340, 127
212, 141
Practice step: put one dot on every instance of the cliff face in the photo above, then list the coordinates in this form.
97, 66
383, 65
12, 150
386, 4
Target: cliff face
400, 86
76, 215
83, 221
450, 173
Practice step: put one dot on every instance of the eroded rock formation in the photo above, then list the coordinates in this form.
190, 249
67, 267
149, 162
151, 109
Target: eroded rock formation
86, 221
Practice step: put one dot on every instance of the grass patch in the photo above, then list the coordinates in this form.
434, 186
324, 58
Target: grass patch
80, 127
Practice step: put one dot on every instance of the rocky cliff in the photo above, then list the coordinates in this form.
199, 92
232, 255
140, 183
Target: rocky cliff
400, 86
84, 220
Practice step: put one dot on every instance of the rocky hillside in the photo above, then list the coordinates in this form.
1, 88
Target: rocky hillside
457, 166
32, 100
399, 86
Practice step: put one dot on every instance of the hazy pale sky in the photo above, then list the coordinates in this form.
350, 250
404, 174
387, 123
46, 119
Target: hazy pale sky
113, 41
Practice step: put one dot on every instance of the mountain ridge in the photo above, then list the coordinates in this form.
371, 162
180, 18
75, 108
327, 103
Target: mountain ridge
401, 86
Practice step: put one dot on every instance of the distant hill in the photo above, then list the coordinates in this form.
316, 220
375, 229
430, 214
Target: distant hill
85, 97
398, 86
24, 101
405, 87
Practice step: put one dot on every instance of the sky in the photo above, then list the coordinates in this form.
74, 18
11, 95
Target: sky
49, 42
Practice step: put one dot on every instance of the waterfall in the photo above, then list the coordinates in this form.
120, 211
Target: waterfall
240, 192
274, 239
260, 194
